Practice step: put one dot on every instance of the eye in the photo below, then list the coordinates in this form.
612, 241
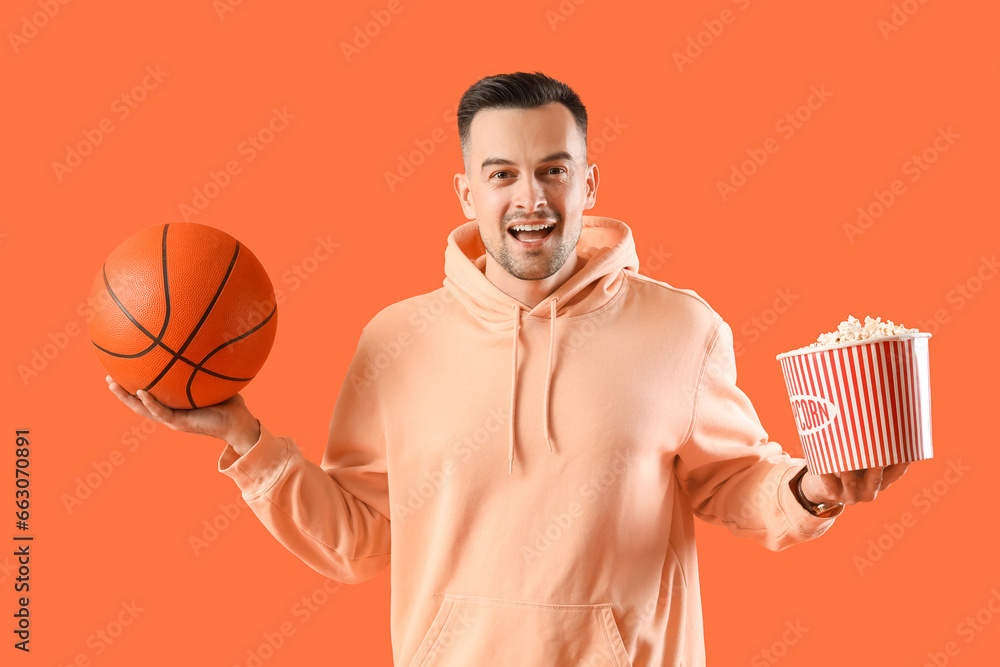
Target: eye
499, 173
557, 170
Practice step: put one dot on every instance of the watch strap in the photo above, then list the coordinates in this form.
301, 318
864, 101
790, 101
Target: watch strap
821, 510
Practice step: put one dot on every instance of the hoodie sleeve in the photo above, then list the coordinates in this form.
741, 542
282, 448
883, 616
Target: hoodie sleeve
733, 475
334, 516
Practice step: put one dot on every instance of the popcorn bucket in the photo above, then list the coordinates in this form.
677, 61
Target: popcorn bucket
861, 404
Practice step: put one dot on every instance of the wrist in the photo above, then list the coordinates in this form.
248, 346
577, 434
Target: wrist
807, 490
823, 509
245, 437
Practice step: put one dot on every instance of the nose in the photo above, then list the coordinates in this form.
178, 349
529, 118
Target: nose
529, 193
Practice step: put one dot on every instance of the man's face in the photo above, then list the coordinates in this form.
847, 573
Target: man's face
527, 166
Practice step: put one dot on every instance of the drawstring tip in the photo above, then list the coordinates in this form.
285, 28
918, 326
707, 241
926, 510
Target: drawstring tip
510, 467
549, 440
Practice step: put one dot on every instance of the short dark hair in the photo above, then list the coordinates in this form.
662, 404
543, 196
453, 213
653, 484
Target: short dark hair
519, 90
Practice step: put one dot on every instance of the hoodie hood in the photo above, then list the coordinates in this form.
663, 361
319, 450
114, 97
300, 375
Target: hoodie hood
604, 251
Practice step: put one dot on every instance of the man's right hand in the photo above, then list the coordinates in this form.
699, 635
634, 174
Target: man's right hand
230, 420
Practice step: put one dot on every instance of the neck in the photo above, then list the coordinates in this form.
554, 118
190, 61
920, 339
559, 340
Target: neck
529, 292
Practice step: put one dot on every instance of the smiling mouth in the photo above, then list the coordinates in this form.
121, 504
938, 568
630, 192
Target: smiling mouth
532, 233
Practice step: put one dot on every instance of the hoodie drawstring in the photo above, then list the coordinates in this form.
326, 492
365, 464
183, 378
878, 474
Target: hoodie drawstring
513, 388
548, 372
548, 379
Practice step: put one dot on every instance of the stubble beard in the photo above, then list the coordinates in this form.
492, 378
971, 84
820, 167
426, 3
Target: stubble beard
529, 269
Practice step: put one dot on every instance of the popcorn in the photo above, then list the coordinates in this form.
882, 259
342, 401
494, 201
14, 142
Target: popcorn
852, 330
861, 396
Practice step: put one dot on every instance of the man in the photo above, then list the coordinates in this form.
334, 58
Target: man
531, 462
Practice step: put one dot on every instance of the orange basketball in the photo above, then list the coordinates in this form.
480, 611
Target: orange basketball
185, 312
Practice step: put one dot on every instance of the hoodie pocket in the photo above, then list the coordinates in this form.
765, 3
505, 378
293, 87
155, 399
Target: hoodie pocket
487, 631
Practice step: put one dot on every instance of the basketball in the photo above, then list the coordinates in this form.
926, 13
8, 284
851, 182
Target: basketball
184, 311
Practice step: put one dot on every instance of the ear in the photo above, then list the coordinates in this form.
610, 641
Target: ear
593, 178
464, 193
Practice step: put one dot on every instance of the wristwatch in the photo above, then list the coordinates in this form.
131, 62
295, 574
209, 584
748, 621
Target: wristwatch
821, 510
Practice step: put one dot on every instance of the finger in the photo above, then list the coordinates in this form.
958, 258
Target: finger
860, 485
832, 486
872, 483
128, 399
159, 411
852, 484
893, 472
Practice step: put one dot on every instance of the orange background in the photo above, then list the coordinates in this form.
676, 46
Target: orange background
670, 135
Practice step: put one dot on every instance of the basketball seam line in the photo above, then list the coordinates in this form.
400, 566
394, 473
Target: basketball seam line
199, 367
204, 316
189, 362
158, 339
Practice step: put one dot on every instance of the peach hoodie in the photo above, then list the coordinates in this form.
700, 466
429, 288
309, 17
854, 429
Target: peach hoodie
532, 474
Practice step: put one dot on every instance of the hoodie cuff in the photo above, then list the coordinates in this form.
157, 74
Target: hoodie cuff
798, 516
256, 471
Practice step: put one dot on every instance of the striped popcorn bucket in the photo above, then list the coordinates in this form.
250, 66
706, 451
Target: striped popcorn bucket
861, 404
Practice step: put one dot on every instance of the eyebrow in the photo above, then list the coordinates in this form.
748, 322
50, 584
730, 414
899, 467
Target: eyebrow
492, 161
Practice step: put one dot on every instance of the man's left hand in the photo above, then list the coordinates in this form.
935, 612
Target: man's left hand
854, 486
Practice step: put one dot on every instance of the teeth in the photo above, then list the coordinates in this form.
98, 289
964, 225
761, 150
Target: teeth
532, 228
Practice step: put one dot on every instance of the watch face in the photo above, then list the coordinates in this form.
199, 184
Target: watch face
823, 510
